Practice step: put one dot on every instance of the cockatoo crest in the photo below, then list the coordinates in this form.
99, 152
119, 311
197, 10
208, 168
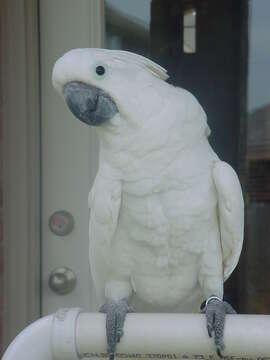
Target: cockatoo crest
142, 61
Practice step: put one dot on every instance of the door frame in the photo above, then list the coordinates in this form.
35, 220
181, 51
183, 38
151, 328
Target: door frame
20, 102
21, 168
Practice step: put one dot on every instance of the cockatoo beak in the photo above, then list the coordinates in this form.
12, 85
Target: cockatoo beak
88, 103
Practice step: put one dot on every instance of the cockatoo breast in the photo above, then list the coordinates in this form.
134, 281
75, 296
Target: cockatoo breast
162, 223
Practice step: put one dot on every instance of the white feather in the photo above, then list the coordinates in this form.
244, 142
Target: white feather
231, 215
153, 67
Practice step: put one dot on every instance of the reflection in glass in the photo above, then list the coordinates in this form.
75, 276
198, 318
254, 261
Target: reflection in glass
128, 25
257, 270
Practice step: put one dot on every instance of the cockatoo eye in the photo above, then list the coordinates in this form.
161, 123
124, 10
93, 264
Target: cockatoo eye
100, 70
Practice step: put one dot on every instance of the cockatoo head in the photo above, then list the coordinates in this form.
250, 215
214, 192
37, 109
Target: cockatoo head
102, 87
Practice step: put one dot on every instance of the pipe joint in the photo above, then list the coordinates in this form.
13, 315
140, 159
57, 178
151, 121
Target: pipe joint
63, 338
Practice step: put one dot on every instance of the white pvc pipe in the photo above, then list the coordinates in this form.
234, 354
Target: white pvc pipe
176, 335
33, 343
72, 335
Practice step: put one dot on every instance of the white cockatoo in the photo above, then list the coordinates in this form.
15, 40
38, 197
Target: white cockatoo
166, 218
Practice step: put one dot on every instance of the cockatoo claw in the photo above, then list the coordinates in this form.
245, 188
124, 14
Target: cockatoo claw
215, 311
219, 353
209, 329
115, 317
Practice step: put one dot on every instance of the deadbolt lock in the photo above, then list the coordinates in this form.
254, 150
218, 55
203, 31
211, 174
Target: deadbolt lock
62, 280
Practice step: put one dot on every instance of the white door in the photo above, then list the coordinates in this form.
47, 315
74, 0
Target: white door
69, 147
69, 159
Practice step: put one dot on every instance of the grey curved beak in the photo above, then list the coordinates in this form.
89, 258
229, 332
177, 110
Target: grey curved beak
88, 103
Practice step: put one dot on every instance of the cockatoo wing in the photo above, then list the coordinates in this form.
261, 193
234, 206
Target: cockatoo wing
231, 215
104, 203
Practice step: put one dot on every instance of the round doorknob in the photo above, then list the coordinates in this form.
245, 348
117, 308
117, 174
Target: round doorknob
62, 280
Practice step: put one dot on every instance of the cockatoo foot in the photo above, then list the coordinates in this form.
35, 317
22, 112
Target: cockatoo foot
215, 310
116, 313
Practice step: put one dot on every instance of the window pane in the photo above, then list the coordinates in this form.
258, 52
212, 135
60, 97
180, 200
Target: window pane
189, 40
230, 77
190, 17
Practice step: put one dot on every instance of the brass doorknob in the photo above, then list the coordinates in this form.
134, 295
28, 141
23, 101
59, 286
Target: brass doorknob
62, 280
